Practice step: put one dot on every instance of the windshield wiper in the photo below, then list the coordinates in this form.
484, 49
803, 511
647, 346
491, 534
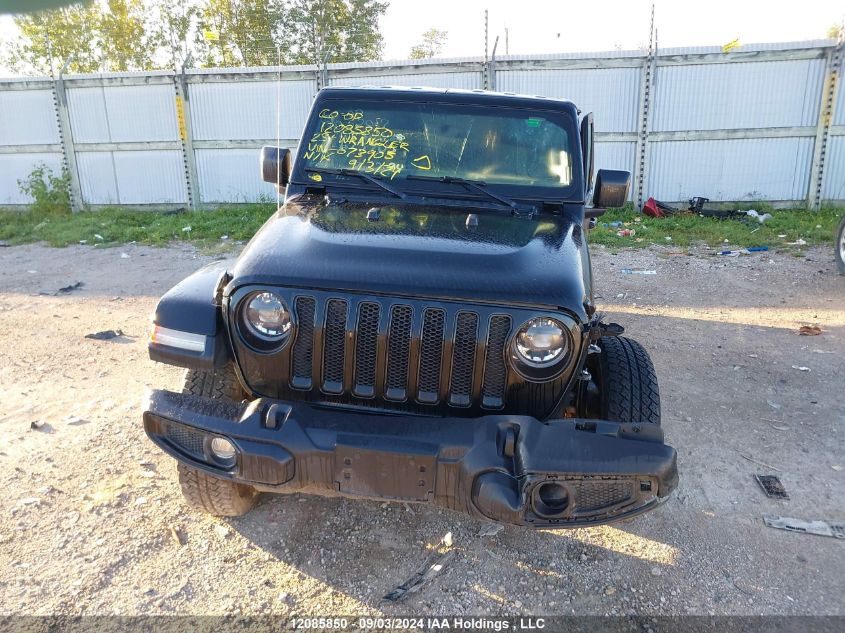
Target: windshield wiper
361, 175
477, 185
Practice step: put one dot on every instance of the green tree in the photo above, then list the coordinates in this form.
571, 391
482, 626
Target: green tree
836, 32
124, 44
48, 38
92, 35
173, 23
432, 44
335, 30
239, 32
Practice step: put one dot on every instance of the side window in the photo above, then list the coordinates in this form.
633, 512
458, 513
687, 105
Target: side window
587, 149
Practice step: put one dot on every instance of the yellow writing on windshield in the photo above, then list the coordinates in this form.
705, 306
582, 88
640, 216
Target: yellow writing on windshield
367, 145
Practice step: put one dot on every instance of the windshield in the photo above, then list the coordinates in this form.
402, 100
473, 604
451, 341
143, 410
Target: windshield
529, 152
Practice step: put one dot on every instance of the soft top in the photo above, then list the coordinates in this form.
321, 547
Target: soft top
448, 95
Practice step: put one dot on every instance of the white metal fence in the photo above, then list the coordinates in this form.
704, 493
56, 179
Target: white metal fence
763, 123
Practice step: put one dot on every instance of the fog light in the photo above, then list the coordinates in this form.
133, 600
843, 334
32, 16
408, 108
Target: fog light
223, 450
550, 499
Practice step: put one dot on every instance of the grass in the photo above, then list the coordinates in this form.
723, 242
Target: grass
686, 230
119, 226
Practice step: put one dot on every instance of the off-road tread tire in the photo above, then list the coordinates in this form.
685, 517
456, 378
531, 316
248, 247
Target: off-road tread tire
216, 496
221, 383
629, 391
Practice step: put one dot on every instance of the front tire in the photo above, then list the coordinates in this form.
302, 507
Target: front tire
624, 383
216, 496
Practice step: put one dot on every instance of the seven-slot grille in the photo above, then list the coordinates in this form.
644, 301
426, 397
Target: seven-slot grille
389, 350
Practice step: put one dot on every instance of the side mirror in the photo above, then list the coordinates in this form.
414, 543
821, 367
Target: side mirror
611, 188
275, 165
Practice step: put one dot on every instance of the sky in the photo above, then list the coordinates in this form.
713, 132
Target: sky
543, 26
550, 26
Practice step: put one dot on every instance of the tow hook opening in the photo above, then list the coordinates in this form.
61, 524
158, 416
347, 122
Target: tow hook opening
550, 500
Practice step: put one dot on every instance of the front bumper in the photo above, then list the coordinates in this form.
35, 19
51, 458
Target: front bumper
511, 469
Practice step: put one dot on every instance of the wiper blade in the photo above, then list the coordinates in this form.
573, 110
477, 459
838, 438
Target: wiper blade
477, 185
361, 175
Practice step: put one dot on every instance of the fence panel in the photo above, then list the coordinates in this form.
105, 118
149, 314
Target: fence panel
737, 95
234, 115
775, 169
29, 136
736, 126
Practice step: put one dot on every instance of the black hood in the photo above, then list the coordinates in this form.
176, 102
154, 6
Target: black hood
420, 251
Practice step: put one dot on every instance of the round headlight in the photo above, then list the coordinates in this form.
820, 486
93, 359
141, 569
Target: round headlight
541, 342
266, 319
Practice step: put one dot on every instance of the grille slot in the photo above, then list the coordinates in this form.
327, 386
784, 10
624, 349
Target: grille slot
463, 359
366, 348
495, 372
334, 353
431, 355
303, 347
398, 349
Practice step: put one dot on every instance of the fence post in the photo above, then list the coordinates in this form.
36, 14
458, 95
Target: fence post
641, 164
66, 141
827, 108
183, 122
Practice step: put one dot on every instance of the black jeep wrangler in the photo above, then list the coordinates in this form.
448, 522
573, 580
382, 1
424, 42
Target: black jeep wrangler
416, 323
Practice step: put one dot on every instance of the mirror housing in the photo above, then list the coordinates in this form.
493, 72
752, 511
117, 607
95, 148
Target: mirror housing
611, 188
275, 165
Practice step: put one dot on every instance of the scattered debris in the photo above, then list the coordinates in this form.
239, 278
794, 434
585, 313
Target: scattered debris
125, 256
105, 335
760, 217
29, 501
772, 486
798, 242
178, 535
744, 251
809, 330
38, 425
491, 529
626, 233
800, 368
70, 288
98, 236
633, 271
614, 225
224, 237
222, 531
186, 229
822, 528
76, 421
433, 565
836, 467
759, 463
140, 501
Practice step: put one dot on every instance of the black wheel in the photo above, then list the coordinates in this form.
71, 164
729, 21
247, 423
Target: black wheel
216, 496
624, 385
840, 247
220, 497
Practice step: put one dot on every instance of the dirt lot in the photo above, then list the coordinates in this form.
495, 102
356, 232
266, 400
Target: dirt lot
89, 505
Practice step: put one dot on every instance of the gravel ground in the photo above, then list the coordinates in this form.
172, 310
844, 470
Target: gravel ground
93, 522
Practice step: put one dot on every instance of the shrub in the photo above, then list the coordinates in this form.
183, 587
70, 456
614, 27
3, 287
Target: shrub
50, 193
